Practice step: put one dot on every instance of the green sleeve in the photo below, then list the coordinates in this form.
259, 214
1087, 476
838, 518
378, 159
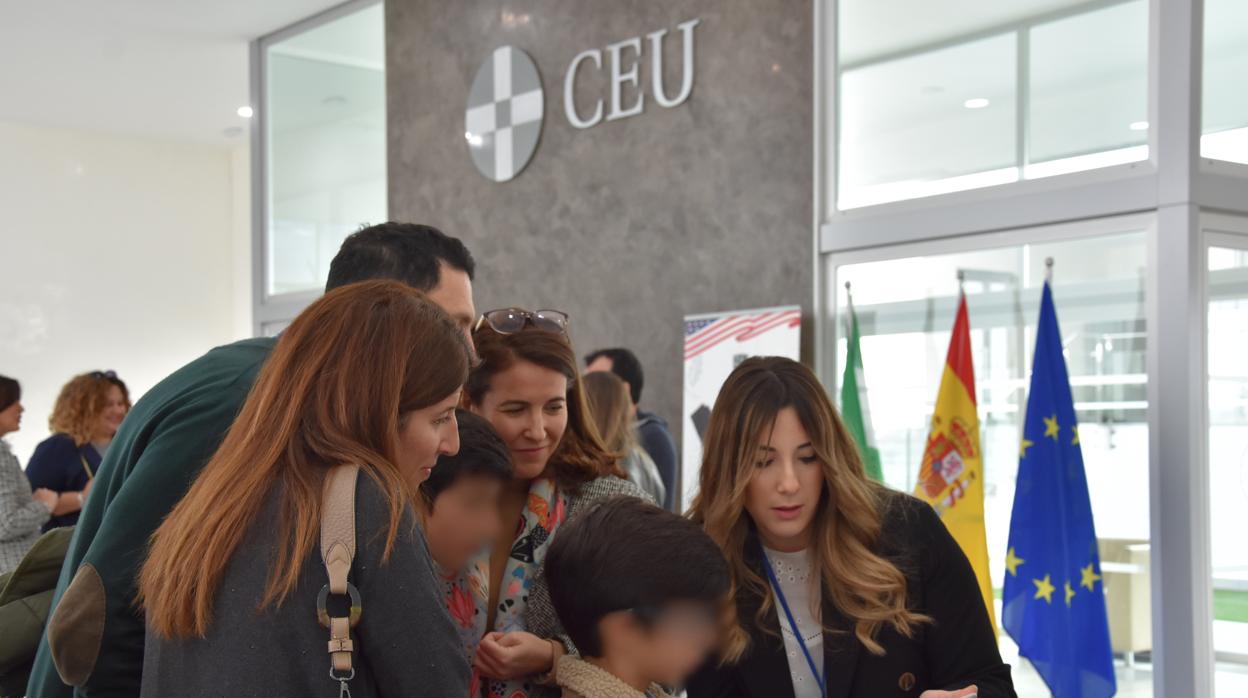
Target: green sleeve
137, 502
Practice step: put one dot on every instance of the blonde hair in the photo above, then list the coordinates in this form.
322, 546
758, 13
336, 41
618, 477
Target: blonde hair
612, 410
864, 586
81, 403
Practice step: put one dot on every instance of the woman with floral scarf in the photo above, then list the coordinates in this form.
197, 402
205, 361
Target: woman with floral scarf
528, 386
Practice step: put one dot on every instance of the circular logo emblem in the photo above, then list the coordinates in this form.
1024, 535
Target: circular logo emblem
504, 116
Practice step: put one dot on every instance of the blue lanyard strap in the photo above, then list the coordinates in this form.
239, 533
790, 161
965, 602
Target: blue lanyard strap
784, 603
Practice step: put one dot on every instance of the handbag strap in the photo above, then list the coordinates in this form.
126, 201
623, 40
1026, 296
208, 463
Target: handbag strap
338, 551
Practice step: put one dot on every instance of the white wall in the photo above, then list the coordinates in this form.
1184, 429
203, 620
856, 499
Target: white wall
115, 253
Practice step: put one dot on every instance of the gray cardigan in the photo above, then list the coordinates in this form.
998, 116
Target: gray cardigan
405, 644
540, 616
21, 516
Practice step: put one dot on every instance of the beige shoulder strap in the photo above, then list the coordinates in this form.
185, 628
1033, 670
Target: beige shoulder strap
338, 551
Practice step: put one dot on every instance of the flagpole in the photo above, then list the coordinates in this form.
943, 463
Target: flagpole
1048, 270
849, 297
961, 282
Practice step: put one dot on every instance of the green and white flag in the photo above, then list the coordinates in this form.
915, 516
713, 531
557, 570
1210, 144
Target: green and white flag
854, 402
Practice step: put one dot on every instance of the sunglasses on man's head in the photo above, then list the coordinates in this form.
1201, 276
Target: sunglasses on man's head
513, 320
99, 375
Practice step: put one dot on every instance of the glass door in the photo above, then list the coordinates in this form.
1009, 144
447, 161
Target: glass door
1227, 362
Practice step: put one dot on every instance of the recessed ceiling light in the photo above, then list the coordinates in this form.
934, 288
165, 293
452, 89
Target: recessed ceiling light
976, 103
1138, 126
245, 111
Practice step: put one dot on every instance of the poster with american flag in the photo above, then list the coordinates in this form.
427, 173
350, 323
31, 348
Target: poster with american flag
714, 345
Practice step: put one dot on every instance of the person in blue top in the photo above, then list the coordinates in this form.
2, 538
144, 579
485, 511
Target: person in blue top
87, 415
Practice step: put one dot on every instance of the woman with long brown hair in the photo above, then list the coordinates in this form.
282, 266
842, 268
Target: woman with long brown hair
843, 587
87, 414
612, 409
528, 385
368, 375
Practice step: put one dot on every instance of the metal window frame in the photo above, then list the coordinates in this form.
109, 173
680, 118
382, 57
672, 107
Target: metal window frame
1187, 200
275, 308
1108, 191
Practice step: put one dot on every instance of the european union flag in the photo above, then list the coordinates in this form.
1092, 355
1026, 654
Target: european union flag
1054, 604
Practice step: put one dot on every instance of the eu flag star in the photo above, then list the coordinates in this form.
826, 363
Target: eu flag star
1012, 562
1075, 441
1045, 588
1070, 594
1050, 427
1022, 449
1090, 577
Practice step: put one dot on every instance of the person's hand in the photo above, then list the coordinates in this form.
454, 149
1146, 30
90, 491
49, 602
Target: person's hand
87, 490
46, 497
515, 655
969, 692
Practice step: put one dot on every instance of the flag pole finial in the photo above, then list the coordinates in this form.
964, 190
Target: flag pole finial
962, 281
1048, 269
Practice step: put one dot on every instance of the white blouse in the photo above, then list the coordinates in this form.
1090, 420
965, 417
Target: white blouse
799, 580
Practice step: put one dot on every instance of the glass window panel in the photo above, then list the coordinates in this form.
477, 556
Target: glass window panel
326, 155
905, 311
1089, 89
1228, 464
1225, 111
907, 129
930, 105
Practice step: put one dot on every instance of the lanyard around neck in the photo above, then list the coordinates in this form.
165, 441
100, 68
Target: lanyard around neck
801, 641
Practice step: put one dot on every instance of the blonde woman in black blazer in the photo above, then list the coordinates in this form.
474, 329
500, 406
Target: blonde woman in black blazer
895, 607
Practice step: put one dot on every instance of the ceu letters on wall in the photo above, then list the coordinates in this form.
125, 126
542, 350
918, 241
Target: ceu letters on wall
637, 221
503, 121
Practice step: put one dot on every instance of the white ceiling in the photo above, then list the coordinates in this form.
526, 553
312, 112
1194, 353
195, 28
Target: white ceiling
172, 70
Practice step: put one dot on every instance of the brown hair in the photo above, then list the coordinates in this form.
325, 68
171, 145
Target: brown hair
581, 455
10, 392
81, 402
612, 410
869, 589
334, 391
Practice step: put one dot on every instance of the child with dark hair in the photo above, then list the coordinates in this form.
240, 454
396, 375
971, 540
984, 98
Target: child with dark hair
461, 517
461, 495
640, 591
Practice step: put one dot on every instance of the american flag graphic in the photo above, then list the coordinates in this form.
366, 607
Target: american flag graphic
702, 335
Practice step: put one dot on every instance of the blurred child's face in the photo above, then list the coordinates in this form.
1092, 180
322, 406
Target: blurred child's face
464, 519
667, 650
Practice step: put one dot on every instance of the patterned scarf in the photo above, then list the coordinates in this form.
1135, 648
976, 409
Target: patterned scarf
468, 593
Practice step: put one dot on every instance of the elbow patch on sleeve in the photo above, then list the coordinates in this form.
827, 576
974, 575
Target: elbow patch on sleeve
76, 627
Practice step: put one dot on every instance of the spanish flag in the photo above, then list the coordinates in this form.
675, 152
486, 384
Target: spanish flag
951, 478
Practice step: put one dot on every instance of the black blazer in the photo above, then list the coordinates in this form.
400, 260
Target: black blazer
956, 650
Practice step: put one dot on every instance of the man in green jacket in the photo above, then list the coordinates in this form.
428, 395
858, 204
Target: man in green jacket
95, 636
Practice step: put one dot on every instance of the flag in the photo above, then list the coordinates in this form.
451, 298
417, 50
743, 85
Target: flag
951, 478
1054, 602
854, 402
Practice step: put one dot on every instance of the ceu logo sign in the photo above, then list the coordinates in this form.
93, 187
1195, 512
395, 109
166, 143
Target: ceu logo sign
504, 117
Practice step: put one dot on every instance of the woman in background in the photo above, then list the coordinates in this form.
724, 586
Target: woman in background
22, 512
87, 414
528, 386
843, 587
612, 409
368, 375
